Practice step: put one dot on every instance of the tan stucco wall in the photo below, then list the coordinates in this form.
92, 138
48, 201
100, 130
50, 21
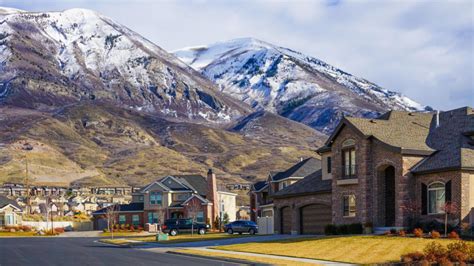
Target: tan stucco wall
324, 166
229, 205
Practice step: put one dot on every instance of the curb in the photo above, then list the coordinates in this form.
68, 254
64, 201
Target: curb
245, 262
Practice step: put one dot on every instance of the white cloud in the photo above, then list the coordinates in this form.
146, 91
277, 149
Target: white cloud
423, 49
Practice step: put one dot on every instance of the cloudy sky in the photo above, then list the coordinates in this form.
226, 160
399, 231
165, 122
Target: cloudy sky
424, 49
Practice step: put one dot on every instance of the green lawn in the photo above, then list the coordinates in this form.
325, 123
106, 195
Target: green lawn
352, 249
181, 238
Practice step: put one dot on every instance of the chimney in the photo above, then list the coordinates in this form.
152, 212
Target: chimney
212, 195
437, 119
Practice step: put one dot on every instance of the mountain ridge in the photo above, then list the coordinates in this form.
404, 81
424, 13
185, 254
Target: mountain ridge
297, 86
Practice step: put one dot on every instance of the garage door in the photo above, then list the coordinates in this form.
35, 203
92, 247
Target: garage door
314, 218
285, 220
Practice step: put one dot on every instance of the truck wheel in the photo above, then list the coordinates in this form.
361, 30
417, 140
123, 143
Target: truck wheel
252, 231
173, 232
230, 231
202, 231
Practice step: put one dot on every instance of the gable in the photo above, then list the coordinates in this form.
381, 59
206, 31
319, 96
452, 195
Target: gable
173, 184
155, 186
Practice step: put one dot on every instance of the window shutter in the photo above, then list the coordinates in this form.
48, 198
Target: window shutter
424, 199
447, 195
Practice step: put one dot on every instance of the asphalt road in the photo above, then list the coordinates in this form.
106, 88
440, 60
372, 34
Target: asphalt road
85, 251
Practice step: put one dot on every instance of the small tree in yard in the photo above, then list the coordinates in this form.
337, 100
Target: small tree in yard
193, 207
161, 215
225, 218
111, 213
412, 208
449, 208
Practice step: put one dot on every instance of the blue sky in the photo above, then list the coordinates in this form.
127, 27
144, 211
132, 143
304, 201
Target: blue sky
424, 49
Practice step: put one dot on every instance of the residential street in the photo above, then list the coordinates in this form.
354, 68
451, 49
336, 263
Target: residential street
85, 251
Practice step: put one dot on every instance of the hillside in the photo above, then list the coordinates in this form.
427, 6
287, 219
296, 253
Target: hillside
289, 83
103, 144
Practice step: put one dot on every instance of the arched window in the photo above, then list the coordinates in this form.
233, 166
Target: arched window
436, 198
348, 143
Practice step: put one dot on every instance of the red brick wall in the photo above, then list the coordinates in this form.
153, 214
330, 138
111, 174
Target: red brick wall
295, 204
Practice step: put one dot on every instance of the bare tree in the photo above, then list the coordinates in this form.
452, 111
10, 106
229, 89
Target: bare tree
449, 208
111, 213
412, 208
193, 207
161, 217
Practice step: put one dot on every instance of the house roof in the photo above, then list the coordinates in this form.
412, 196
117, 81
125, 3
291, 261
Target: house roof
4, 201
449, 145
257, 186
453, 141
301, 169
312, 183
131, 207
196, 182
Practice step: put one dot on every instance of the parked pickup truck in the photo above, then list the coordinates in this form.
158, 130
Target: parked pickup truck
176, 226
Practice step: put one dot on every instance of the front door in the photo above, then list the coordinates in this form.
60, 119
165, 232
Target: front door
390, 196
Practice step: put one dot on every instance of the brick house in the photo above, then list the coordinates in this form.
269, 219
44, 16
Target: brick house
379, 167
304, 207
261, 193
174, 196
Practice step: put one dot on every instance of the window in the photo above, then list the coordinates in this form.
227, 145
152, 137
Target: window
122, 219
140, 198
180, 196
436, 198
135, 219
200, 217
349, 206
155, 198
152, 217
329, 164
349, 162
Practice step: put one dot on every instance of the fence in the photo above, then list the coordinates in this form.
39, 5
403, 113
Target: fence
76, 226
265, 225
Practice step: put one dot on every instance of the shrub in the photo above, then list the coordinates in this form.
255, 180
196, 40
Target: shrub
330, 229
59, 230
434, 252
355, 228
343, 229
457, 256
435, 234
26, 228
418, 232
393, 231
105, 230
453, 235
402, 233
413, 257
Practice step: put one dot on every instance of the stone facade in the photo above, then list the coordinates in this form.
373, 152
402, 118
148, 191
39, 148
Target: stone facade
295, 203
369, 185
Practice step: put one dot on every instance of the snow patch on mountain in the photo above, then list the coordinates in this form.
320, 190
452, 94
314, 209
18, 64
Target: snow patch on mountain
284, 81
111, 61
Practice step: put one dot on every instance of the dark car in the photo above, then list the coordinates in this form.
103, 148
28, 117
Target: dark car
176, 226
241, 227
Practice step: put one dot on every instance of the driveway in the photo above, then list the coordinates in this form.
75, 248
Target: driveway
85, 251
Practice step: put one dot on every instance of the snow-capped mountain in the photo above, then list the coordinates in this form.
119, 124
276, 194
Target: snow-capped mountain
292, 84
55, 58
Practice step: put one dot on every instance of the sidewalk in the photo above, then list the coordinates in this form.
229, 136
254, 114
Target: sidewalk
292, 259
